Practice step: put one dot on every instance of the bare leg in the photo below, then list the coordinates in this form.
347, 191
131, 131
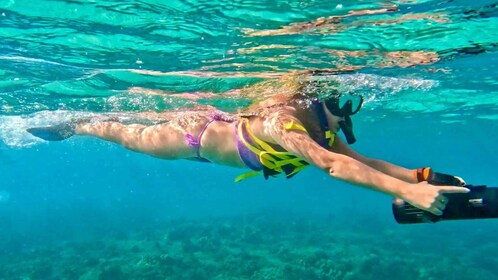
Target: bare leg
165, 140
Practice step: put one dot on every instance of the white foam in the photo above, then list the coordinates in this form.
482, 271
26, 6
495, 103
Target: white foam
376, 87
13, 128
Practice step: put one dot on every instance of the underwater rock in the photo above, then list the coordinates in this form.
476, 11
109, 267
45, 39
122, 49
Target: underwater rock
112, 273
42, 270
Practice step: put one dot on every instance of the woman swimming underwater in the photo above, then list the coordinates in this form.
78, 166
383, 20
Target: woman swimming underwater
281, 134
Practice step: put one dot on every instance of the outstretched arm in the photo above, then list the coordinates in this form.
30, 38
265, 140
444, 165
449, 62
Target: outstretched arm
390, 169
407, 175
344, 167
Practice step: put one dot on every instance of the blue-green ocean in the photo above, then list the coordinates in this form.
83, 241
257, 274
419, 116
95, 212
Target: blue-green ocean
88, 209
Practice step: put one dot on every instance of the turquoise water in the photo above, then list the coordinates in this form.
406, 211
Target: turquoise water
86, 209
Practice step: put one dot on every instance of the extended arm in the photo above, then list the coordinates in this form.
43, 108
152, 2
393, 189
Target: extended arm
390, 169
407, 175
347, 168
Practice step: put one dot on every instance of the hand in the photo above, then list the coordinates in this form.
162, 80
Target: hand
429, 197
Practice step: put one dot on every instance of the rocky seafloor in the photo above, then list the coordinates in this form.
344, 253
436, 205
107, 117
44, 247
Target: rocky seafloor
259, 247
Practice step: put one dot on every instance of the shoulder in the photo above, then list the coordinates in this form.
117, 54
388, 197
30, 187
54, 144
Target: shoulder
279, 112
277, 117
280, 121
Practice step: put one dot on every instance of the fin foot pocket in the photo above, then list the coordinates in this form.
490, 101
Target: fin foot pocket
53, 133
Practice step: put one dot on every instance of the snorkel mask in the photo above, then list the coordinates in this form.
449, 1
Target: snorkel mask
349, 107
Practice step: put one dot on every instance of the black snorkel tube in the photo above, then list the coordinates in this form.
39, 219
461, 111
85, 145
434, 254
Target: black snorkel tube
345, 112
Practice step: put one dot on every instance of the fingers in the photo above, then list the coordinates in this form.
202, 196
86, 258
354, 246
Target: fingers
451, 189
431, 198
439, 205
436, 211
443, 199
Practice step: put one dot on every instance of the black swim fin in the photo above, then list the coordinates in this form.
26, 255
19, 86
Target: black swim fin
53, 133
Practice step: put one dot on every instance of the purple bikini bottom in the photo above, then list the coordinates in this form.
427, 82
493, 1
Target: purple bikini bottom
249, 158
